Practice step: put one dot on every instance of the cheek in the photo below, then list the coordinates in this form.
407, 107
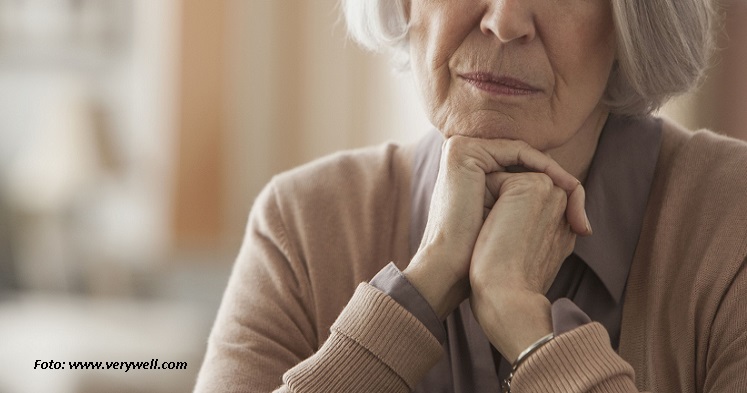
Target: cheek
603, 56
584, 59
437, 30
579, 37
432, 81
599, 37
596, 45
432, 86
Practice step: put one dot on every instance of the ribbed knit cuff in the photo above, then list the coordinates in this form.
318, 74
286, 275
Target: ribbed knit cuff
375, 345
580, 360
567, 316
393, 282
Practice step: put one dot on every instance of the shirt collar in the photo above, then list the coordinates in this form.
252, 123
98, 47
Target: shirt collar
617, 188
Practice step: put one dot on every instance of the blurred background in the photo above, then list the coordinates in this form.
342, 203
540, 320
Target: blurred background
134, 135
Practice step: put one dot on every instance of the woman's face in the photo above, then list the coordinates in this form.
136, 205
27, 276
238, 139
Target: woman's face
533, 70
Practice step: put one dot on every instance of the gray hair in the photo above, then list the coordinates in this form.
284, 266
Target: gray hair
663, 46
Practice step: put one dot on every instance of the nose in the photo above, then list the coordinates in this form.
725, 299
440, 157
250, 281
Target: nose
509, 20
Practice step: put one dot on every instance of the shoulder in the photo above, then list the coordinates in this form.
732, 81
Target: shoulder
343, 216
702, 144
708, 165
344, 179
335, 192
698, 201
692, 252
338, 220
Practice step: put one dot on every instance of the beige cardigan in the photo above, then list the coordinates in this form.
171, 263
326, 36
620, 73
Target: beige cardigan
319, 231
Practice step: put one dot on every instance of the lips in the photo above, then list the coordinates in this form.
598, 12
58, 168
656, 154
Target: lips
499, 85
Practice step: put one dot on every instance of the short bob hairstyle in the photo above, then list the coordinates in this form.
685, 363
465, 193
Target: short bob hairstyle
663, 46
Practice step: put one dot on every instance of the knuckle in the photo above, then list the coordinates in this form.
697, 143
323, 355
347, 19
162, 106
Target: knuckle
455, 147
545, 189
460, 152
547, 182
559, 194
559, 198
521, 148
541, 182
568, 249
519, 144
571, 242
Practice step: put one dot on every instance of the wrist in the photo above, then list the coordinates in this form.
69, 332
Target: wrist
522, 357
517, 319
440, 287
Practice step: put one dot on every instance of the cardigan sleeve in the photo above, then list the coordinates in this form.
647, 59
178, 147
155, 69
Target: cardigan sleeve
582, 359
264, 337
393, 282
375, 346
726, 360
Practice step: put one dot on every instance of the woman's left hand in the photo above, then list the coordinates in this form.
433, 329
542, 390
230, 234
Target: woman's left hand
518, 253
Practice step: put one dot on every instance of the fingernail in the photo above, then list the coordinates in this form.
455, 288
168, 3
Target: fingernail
588, 224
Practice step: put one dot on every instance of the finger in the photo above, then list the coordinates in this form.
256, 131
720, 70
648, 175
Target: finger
576, 212
487, 203
575, 208
494, 155
494, 182
520, 153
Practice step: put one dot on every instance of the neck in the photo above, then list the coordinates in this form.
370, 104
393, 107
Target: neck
575, 156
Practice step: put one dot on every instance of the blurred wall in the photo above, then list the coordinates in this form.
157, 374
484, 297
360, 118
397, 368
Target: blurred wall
299, 89
720, 102
86, 114
198, 206
266, 86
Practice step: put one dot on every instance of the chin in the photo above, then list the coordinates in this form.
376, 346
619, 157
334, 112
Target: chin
483, 124
492, 130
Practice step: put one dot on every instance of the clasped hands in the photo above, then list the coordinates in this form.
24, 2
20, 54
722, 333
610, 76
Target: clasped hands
498, 237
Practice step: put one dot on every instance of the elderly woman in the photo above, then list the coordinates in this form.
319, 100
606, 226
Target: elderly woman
498, 280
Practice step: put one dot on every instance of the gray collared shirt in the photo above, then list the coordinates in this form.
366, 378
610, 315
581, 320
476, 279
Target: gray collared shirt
591, 282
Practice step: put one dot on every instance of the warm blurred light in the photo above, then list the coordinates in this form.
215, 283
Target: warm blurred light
87, 107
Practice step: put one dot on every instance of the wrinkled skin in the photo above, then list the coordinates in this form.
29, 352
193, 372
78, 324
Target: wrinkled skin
510, 83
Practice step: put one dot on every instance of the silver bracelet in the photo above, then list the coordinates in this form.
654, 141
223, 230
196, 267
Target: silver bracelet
522, 356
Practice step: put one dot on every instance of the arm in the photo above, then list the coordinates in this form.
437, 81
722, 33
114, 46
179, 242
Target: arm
375, 346
266, 328
582, 360
514, 313
516, 257
264, 325
726, 361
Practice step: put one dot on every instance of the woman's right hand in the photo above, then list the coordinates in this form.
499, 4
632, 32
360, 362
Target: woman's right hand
461, 201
